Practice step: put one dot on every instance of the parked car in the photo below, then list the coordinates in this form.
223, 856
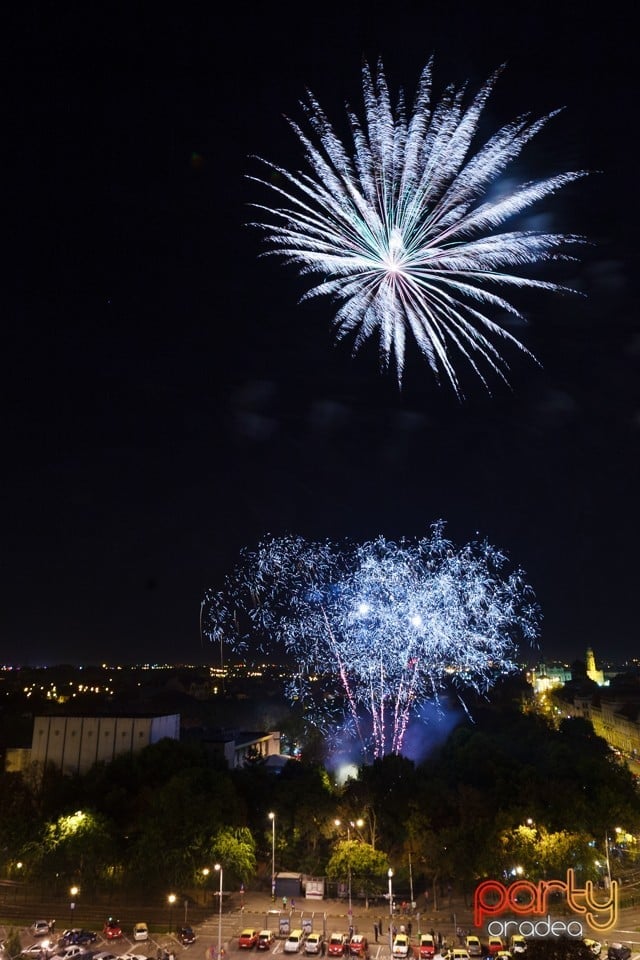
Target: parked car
112, 929
133, 956
265, 939
618, 951
473, 945
426, 946
40, 928
186, 936
496, 944
313, 944
518, 944
73, 952
140, 931
104, 955
359, 946
336, 944
400, 948
294, 941
77, 936
248, 939
37, 949
594, 946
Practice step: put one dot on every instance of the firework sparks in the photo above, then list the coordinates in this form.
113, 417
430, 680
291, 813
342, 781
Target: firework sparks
376, 629
402, 228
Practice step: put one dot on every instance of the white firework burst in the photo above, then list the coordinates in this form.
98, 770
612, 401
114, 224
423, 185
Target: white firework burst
402, 230
374, 631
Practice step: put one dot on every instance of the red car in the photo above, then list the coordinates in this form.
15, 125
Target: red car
336, 945
112, 930
427, 947
358, 946
248, 939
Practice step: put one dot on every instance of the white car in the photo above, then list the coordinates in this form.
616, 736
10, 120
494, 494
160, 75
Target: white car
313, 943
69, 953
40, 928
294, 941
140, 931
37, 949
400, 948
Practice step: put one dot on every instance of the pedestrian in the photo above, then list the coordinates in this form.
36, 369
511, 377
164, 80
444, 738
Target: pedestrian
409, 928
322, 948
376, 930
284, 903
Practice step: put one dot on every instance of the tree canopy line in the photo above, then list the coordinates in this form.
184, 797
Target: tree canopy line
505, 790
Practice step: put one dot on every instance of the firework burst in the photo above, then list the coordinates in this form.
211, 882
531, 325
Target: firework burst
402, 229
376, 630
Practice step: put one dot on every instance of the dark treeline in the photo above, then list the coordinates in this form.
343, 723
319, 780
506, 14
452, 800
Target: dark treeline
506, 788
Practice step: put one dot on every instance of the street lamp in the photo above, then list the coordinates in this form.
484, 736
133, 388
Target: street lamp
272, 817
218, 866
390, 875
356, 824
171, 899
72, 905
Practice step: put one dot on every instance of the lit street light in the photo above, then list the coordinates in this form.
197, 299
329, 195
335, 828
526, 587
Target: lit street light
356, 824
390, 875
272, 817
218, 866
72, 905
171, 899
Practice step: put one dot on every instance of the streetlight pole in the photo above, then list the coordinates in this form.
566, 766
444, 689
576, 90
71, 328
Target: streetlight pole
171, 899
218, 866
272, 817
390, 875
356, 824
72, 904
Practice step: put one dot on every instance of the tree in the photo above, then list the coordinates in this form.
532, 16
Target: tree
235, 850
359, 861
74, 847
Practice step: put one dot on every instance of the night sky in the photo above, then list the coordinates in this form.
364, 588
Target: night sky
166, 399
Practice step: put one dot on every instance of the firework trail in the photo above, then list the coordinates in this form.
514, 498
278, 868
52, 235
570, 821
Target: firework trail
401, 227
376, 629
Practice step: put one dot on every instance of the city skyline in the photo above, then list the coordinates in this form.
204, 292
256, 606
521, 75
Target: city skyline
168, 401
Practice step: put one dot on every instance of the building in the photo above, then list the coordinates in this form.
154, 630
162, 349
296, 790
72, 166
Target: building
74, 744
596, 675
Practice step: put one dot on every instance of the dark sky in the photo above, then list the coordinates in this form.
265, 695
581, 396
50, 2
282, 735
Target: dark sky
165, 398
